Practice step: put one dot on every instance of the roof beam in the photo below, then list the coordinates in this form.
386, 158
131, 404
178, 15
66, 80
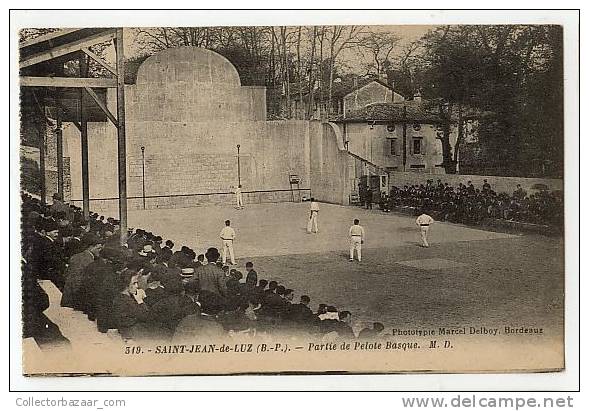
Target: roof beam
68, 48
46, 37
76, 82
102, 105
97, 59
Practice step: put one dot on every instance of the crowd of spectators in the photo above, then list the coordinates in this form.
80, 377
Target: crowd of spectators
148, 290
467, 204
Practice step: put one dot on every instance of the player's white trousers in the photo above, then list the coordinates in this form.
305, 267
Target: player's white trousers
228, 247
312, 224
239, 200
356, 244
424, 229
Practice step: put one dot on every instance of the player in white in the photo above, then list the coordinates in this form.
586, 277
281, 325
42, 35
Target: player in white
356, 234
312, 224
238, 197
423, 222
227, 236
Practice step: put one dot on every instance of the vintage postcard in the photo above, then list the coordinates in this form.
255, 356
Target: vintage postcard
292, 199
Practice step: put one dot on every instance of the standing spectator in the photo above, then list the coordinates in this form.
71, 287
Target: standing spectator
74, 275
210, 277
369, 198
252, 275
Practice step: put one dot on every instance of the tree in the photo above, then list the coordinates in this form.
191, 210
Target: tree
339, 38
379, 46
501, 70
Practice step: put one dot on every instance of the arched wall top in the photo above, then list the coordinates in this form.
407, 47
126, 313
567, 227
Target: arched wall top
339, 138
188, 64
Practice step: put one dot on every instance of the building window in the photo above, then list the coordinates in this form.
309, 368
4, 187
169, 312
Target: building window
393, 150
417, 146
417, 166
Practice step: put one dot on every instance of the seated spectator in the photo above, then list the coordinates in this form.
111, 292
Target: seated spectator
371, 333
343, 328
301, 313
130, 315
197, 327
329, 321
35, 323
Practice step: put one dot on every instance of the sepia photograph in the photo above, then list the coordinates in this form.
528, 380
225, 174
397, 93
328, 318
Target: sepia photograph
279, 199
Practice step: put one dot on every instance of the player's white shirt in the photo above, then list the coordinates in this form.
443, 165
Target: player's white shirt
357, 230
227, 233
314, 206
237, 190
424, 219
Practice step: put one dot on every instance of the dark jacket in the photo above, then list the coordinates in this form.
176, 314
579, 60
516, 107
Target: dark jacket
211, 278
74, 277
127, 313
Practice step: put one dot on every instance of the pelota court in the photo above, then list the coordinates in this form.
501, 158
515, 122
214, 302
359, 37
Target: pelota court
467, 276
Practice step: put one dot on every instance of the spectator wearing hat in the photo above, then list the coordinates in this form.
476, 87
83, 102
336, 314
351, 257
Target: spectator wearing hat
46, 258
157, 244
271, 288
300, 313
201, 259
169, 307
210, 277
102, 286
74, 245
169, 244
74, 275
147, 251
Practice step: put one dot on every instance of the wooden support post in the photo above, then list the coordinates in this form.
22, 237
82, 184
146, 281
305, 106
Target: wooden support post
41, 130
84, 144
59, 138
122, 149
404, 138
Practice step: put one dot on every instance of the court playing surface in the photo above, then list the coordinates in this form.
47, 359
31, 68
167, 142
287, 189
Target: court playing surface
466, 275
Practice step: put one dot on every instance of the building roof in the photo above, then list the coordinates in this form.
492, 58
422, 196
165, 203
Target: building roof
391, 112
340, 89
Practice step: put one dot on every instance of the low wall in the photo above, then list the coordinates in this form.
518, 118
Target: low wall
498, 184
